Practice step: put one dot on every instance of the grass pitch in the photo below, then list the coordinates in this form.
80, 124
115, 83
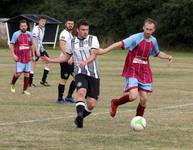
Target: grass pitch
36, 122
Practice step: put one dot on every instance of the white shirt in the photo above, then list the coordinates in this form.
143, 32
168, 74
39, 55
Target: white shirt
67, 37
38, 33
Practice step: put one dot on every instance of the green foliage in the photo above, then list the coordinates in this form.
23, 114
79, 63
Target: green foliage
176, 19
113, 20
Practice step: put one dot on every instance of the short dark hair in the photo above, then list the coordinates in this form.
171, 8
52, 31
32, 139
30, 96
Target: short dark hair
149, 20
82, 22
69, 19
41, 17
22, 21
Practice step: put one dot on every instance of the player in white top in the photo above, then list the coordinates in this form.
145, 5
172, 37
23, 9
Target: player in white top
85, 69
38, 35
66, 68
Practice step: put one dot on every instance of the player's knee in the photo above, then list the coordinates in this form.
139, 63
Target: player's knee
26, 75
132, 97
17, 74
62, 81
82, 93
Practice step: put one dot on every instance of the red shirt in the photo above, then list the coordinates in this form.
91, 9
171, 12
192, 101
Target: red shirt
137, 60
22, 43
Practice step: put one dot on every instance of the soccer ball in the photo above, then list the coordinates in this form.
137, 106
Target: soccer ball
138, 123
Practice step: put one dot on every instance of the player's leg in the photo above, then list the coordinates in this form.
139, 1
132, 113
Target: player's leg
92, 95
45, 72
63, 79
72, 86
26, 70
82, 86
19, 70
89, 106
71, 90
33, 66
142, 104
144, 90
131, 86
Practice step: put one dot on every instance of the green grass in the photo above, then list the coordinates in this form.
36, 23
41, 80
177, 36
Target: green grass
36, 122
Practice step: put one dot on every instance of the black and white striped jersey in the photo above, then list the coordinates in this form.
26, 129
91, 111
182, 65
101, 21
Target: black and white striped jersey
80, 49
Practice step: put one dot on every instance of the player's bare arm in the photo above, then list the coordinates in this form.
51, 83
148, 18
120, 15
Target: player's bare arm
34, 50
163, 55
13, 53
108, 49
64, 58
70, 61
62, 45
35, 43
87, 61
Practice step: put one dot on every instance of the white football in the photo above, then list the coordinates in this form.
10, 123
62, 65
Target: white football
138, 123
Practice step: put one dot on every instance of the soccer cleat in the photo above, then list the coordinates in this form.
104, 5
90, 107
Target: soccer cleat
32, 85
79, 121
113, 108
13, 88
69, 100
45, 83
26, 93
60, 101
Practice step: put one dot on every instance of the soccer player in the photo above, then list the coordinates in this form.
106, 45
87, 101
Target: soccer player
38, 35
85, 69
137, 72
20, 47
66, 68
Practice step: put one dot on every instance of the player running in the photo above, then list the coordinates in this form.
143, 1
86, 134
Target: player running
137, 72
85, 69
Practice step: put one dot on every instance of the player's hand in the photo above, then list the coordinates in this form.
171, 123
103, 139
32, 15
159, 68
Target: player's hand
82, 64
15, 57
37, 53
70, 61
46, 59
98, 51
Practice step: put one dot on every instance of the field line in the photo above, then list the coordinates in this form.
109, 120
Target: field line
95, 114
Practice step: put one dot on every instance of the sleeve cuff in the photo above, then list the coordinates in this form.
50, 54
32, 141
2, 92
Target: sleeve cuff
123, 45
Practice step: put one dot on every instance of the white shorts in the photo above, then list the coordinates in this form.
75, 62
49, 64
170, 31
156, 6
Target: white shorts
23, 67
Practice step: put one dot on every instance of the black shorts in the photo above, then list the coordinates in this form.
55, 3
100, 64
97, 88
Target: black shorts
90, 83
44, 53
66, 70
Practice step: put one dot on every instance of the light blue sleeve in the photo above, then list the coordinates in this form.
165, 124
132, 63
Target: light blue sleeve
131, 42
29, 33
14, 37
155, 50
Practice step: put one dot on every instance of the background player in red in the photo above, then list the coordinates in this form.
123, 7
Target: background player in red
137, 72
20, 47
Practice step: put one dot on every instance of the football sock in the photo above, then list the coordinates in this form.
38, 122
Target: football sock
61, 88
140, 110
71, 89
80, 105
122, 100
31, 76
25, 83
14, 79
86, 111
45, 74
